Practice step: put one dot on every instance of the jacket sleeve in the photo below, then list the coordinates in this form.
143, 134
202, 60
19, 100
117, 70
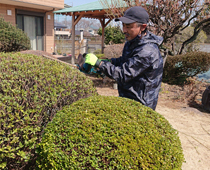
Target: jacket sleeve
117, 61
130, 69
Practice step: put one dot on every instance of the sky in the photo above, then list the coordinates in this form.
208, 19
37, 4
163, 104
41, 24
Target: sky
77, 2
60, 18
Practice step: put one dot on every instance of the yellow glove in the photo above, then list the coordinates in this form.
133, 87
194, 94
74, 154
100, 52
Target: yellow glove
91, 59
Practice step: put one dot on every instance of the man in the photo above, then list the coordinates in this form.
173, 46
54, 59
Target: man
138, 71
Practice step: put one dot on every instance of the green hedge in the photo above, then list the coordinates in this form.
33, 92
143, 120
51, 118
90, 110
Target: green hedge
180, 67
109, 133
12, 38
100, 56
32, 90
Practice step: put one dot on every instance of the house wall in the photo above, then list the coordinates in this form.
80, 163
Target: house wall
48, 23
3, 13
49, 46
52, 3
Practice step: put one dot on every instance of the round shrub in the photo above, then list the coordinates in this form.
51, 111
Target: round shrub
113, 51
113, 35
180, 67
12, 38
109, 133
32, 90
100, 56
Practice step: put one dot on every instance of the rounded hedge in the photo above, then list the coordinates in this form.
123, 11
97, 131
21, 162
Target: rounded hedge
32, 90
109, 133
12, 38
180, 67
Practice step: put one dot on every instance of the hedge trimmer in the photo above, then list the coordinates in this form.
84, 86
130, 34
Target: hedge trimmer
87, 68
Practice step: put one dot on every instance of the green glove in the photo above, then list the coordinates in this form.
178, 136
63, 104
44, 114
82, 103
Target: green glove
91, 59
105, 60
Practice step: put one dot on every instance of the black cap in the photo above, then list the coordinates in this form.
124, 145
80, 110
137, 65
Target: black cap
134, 14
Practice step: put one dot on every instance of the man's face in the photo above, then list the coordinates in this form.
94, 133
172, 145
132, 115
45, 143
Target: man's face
132, 30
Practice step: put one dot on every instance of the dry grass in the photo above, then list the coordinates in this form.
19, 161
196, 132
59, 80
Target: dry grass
189, 94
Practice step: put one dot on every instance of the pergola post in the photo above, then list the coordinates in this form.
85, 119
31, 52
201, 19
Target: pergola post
102, 42
73, 40
94, 10
74, 22
103, 25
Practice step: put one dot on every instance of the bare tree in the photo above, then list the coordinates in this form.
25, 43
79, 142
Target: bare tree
167, 17
82, 24
86, 23
64, 20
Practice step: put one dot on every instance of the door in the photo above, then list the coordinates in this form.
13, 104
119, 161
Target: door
33, 26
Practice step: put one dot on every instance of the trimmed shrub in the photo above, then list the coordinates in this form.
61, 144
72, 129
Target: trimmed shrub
32, 90
109, 133
113, 51
100, 56
12, 38
113, 35
98, 53
180, 67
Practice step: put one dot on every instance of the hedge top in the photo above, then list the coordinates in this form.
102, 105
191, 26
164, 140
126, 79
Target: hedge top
110, 133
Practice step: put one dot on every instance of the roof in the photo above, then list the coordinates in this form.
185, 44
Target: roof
93, 27
85, 7
59, 25
85, 33
97, 5
67, 6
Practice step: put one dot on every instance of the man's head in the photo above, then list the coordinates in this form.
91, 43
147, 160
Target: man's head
134, 21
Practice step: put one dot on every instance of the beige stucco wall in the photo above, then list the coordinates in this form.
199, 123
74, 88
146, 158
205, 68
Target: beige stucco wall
48, 23
3, 13
52, 3
49, 33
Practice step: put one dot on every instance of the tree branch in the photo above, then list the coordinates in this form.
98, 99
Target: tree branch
197, 29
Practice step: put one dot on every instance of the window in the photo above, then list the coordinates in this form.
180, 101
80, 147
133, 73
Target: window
32, 23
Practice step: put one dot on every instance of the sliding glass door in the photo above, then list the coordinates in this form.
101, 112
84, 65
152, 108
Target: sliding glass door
33, 27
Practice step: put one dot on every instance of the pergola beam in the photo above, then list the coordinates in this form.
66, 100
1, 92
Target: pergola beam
94, 14
91, 13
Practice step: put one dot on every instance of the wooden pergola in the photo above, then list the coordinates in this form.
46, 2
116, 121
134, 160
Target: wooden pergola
93, 10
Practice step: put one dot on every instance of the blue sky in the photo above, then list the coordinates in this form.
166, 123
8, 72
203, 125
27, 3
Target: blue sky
77, 2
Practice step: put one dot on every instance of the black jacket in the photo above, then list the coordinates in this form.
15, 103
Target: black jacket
138, 71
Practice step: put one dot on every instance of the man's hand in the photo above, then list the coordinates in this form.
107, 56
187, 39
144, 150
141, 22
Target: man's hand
91, 59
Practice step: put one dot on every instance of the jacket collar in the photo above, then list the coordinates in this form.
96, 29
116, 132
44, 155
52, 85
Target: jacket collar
148, 38
136, 41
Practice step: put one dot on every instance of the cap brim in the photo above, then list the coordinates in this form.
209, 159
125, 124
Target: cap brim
125, 20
